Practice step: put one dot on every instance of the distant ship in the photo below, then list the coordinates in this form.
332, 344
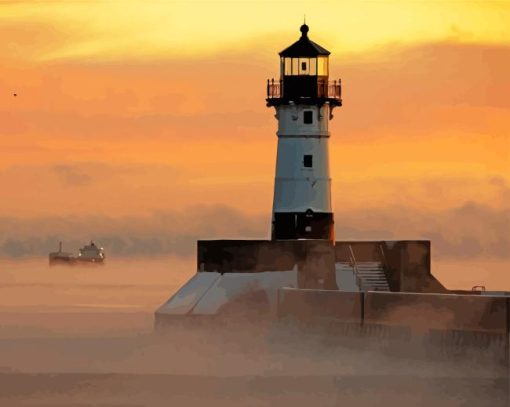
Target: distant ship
90, 253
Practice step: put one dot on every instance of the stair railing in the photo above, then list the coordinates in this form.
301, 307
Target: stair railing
359, 282
384, 263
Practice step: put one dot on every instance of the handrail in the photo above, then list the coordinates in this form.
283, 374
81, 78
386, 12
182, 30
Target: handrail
355, 268
330, 89
383, 256
384, 264
274, 90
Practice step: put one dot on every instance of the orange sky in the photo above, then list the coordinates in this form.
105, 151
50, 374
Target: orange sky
127, 109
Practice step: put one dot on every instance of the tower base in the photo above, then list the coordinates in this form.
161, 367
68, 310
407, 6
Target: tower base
243, 277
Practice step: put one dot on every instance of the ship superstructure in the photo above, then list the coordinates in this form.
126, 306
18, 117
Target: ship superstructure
90, 253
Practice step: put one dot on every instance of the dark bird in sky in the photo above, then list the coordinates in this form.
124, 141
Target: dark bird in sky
15, 94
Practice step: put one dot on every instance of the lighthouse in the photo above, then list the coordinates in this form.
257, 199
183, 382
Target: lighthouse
304, 100
302, 271
242, 277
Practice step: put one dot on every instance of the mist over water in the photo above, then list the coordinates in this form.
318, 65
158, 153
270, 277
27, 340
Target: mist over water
144, 283
129, 284
80, 336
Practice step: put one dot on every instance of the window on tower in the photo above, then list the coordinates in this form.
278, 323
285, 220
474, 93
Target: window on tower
308, 117
308, 161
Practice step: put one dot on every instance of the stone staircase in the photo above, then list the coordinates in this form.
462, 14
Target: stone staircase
370, 275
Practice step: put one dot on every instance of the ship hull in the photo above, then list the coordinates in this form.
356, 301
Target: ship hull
72, 261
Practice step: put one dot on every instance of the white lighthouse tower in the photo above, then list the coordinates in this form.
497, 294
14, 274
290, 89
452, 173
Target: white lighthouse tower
304, 100
242, 277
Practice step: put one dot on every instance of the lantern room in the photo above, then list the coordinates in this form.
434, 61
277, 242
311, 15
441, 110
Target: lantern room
304, 74
296, 66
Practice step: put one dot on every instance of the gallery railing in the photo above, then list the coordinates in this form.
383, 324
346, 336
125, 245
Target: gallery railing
328, 90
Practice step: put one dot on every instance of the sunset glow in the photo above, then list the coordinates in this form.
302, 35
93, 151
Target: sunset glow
129, 108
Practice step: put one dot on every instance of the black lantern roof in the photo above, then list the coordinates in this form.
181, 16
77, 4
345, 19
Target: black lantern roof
304, 47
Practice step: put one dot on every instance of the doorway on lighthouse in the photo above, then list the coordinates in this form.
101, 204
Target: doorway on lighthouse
306, 222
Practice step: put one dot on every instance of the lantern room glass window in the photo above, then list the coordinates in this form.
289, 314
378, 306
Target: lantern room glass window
313, 66
300, 66
295, 66
322, 66
287, 66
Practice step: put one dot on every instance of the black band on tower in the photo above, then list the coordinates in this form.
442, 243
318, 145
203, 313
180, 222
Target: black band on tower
302, 225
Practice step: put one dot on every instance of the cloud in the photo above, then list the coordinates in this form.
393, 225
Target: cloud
425, 89
163, 233
175, 28
206, 118
418, 90
467, 231
72, 176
